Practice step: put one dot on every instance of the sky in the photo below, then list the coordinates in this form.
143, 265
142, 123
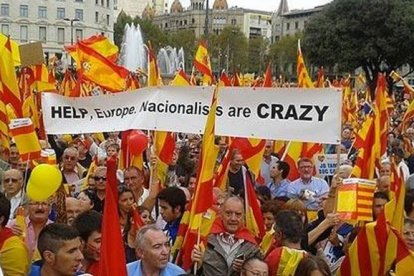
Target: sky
268, 5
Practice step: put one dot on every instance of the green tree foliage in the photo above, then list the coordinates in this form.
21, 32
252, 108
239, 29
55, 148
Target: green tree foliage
187, 40
376, 35
283, 54
257, 54
119, 27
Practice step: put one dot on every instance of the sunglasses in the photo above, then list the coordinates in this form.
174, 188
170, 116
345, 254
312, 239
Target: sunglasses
13, 180
98, 178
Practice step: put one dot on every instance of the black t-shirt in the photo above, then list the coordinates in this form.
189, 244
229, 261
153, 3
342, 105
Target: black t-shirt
236, 181
86, 162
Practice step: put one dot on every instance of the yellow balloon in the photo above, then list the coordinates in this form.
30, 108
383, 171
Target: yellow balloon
44, 181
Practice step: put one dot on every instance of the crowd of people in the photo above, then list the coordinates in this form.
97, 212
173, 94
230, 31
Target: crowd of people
304, 234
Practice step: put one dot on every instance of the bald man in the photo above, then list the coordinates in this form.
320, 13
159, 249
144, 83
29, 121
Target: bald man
73, 209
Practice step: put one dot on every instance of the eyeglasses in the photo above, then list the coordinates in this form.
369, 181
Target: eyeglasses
67, 157
40, 204
257, 273
13, 180
99, 178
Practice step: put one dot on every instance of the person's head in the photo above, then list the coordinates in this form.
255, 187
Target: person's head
59, 246
86, 198
38, 211
134, 178
112, 149
14, 155
268, 148
279, 169
172, 202
408, 233
410, 133
12, 182
218, 198
398, 154
344, 171
89, 225
152, 247
312, 266
145, 215
379, 201
4, 210
263, 194
73, 209
385, 169
125, 199
383, 183
100, 178
409, 204
192, 182
298, 206
70, 159
289, 228
269, 211
237, 160
222, 143
305, 166
232, 214
254, 267
91, 181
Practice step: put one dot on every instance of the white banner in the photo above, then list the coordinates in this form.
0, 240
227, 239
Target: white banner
310, 115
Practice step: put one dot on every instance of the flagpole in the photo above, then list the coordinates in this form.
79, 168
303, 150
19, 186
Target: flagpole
286, 151
198, 244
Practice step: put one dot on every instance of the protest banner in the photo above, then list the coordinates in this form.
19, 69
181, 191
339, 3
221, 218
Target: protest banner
326, 164
266, 113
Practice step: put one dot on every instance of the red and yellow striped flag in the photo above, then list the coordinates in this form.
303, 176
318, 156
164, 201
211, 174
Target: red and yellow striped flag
154, 77
254, 218
67, 85
4, 129
292, 155
98, 43
164, 145
381, 116
304, 79
8, 79
24, 135
202, 63
252, 151
267, 82
224, 79
180, 79
355, 199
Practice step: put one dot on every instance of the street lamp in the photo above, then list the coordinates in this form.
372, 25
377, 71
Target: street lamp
71, 20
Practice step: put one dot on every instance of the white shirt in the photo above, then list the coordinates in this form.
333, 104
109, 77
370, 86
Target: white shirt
15, 203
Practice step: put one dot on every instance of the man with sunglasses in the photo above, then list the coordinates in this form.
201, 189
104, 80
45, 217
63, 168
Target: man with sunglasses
72, 171
100, 187
12, 186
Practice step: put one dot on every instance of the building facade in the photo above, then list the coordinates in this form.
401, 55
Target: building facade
250, 22
55, 23
136, 7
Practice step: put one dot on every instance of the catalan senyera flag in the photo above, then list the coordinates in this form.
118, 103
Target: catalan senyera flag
254, 218
67, 85
8, 79
24, 134
355, 199
365, 141
408, 115
133, 82
180, 79
203, 196
154, 77
4, 128
285, 260
202, 62
304, 79
381, 116
320, 82
404, 257
43, 81
100, 44
164, 148
96, 68
14, 47
267, 82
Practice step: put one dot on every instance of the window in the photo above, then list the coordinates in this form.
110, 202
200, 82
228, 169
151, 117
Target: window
42, 12
287, 26
24, 11
96, 2
107, 19
296, 25
107, 3
60, 14
233, 22
102, 3
61, 35
5, 29
115, 4
78, 0
42, 33
5, 10
96, 17
79, 34
23, 33
79, 14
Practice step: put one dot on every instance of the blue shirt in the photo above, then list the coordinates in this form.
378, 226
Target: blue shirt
279, 190
316, 185
171, 229
134, 269
36, 269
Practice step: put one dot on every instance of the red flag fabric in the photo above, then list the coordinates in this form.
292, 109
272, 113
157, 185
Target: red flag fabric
113, 260
267, 82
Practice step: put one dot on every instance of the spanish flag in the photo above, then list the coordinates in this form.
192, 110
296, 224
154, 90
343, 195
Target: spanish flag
154, 77
164, 145
98, 43
202, 63
180, 79
24, 135
304, 79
